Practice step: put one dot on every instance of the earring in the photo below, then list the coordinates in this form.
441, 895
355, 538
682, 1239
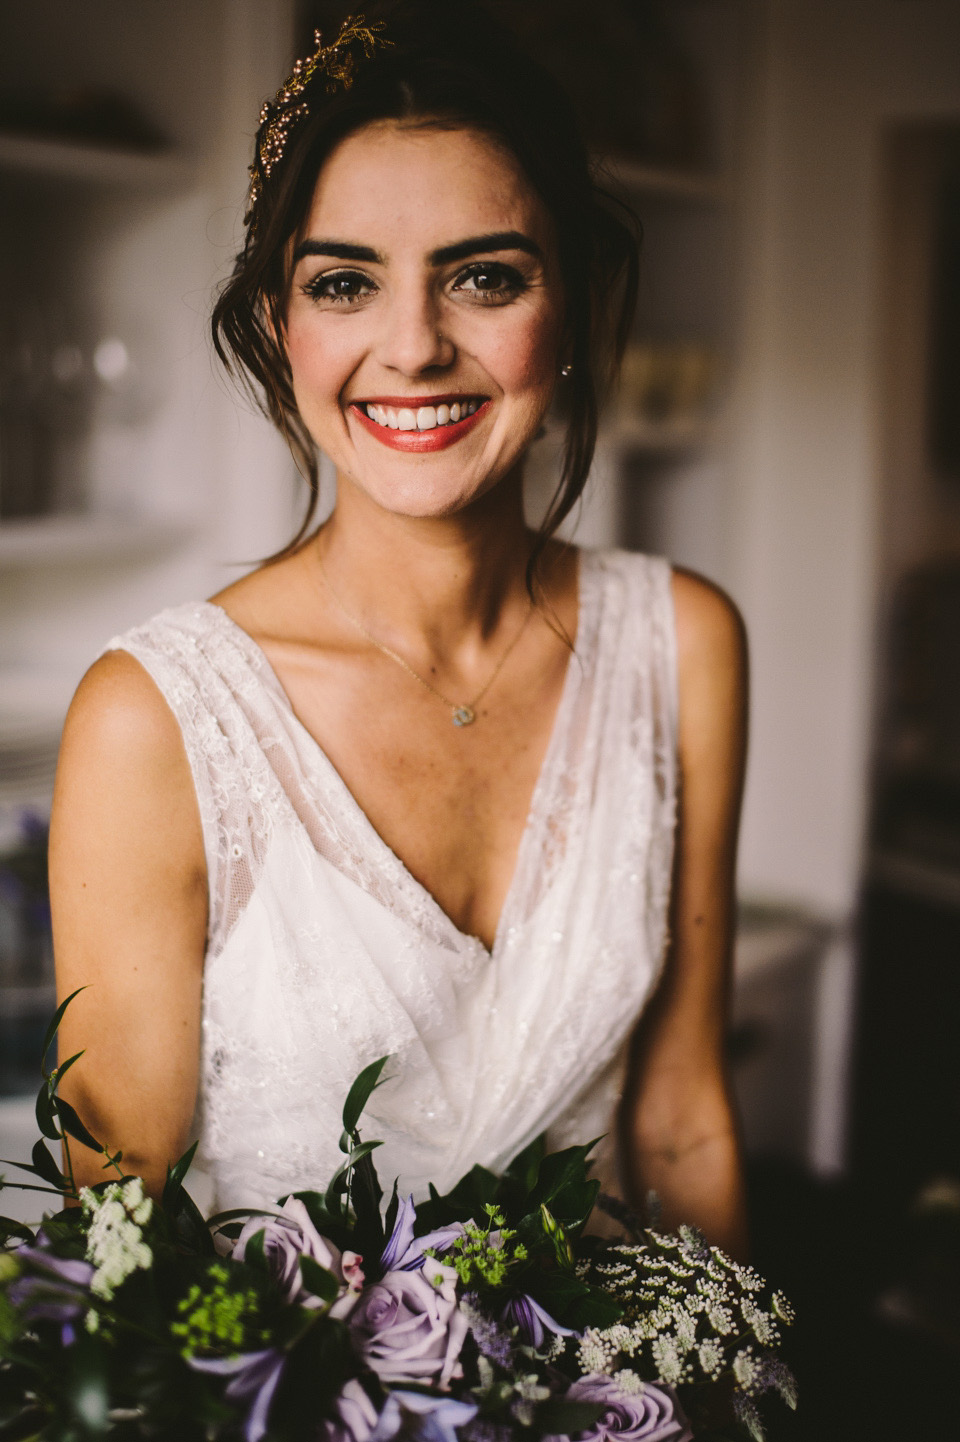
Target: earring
566, 371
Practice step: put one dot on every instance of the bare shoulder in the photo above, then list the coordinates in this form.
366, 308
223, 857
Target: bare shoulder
119, 713
711, 675
710, 629
123, 778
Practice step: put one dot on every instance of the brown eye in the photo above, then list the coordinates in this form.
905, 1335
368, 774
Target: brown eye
490, 283
341, 287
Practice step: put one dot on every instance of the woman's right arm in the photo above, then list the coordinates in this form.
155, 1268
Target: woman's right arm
128, 890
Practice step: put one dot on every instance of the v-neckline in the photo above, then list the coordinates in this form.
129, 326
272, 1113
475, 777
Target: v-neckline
256, 654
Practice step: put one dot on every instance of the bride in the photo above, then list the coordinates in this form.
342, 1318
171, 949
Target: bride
427, 784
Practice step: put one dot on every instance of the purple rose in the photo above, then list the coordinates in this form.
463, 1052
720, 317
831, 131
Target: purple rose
403, 1251
356, 1416
427, 1419
408, 1328
651, 1415
290, 1235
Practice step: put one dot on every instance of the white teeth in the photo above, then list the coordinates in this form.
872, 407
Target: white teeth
425, 418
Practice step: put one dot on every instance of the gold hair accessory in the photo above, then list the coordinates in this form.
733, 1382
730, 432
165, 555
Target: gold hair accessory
338, 63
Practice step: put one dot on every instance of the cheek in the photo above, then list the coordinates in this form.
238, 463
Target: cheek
320, 361
525, 358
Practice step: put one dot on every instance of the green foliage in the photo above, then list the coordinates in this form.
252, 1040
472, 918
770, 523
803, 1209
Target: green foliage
217, 1315
484, 1256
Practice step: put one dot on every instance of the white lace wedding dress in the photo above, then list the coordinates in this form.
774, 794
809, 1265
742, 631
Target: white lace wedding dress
325, 953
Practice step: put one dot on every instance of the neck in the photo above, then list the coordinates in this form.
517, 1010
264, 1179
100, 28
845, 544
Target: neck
445, 584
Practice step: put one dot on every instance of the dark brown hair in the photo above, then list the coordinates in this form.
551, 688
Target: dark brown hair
453, 69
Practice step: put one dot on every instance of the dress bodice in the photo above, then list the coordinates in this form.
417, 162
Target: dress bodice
324, 952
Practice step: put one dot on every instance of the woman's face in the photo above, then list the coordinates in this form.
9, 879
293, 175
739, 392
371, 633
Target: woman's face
425, 315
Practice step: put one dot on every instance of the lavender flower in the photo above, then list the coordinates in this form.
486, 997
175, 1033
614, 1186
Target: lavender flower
253, 1379
290, 1235
356, 1416
492, 1341
53, 1289
651, 1414
423, 1418
408, 1328
531, 1321
404, 1252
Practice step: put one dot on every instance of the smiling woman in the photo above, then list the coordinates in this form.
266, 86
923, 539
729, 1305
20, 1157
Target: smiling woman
299, 864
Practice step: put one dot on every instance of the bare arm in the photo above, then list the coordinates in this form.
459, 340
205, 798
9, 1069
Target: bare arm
680, 1131
129, 900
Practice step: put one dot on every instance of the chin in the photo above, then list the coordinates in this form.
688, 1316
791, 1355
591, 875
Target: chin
422, 496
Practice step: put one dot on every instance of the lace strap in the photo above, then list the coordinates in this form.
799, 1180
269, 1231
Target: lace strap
180, 650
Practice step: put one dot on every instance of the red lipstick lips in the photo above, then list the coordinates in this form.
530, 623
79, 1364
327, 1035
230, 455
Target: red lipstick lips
436, 439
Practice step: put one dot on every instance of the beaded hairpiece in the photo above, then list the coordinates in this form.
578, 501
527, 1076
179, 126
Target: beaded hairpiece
338, 63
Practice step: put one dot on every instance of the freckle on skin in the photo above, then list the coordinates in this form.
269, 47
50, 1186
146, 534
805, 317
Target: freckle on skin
698, 921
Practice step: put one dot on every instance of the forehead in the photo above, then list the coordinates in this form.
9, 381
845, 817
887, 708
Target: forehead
420, 183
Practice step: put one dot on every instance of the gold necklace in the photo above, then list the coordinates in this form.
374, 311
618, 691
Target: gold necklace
463, 713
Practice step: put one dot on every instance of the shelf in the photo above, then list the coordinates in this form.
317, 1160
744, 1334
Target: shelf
76, 540
661, 182
45, 158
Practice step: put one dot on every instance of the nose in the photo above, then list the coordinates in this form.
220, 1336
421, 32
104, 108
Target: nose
412, 339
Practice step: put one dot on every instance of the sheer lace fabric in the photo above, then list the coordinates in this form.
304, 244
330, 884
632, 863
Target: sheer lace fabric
325, 953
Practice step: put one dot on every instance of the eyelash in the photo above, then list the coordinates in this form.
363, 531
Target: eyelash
315, 288
512, 284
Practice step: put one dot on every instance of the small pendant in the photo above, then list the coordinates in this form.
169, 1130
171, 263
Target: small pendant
464, 716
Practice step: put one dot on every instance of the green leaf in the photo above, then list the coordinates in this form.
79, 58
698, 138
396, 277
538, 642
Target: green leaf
525, 1167
74, 1127
556, 1416
87, 1387
361, 1092
366, 1195
58, 1074
54, 1026
253, 1253
175, 1176
47, 1169
318, 1280
9, 1228
466, 1201
560, 1170
238, 1213
340, 1180
363, 1150
46, 1116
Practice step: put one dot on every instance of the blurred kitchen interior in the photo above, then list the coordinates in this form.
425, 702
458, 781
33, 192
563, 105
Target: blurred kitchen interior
788, 424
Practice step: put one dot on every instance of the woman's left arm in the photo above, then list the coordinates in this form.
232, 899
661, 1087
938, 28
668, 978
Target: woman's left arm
679, 1133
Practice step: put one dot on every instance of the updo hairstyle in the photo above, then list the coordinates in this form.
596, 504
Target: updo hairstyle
453, 68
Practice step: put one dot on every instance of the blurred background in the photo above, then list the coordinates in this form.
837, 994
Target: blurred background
788, 424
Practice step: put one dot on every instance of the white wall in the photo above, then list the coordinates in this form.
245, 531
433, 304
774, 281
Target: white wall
195, 454
831, 74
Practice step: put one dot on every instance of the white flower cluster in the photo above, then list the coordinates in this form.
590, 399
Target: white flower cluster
115, 1242
689, 1310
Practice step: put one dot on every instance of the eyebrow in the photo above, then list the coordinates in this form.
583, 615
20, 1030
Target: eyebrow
338, 249
498, 240
445, 255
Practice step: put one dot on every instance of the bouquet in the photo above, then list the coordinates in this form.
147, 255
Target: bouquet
485, 1315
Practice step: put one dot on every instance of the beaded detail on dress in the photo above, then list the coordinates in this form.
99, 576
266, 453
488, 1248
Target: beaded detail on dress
324, 952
